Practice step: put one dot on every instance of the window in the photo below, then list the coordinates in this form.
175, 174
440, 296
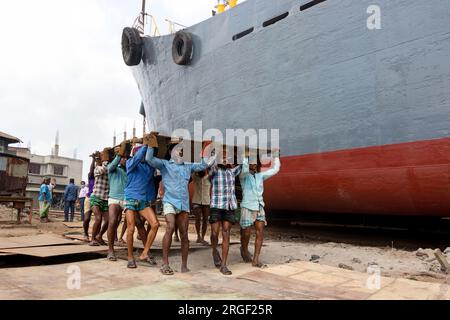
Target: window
242, 34
275, 20
311, 4
58, 170
34, 168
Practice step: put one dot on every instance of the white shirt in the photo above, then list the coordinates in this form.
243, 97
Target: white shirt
83, 192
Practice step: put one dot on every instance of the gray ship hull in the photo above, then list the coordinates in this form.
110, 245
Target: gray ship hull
330, 85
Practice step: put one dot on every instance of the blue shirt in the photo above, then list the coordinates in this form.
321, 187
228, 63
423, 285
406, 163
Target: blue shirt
253, 185
117, 179
48, 195
175, 178
70, 193
140, 185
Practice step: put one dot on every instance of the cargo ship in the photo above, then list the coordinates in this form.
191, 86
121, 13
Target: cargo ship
363, 113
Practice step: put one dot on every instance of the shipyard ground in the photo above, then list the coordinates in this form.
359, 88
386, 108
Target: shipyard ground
405, 274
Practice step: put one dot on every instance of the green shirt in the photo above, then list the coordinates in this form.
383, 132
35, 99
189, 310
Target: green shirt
117, 179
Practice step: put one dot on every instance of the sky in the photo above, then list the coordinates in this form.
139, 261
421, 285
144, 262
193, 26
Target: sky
61, 68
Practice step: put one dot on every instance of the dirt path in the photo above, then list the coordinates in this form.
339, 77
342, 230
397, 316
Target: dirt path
285, 245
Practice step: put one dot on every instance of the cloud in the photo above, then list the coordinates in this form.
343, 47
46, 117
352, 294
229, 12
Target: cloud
61, 68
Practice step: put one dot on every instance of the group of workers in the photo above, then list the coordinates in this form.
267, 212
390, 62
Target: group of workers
129, 185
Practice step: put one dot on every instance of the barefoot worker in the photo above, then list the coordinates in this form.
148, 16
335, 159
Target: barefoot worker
175, 177
139, 192
223, 206
117, 176
99, 200
87, 202
200, 203
252, 205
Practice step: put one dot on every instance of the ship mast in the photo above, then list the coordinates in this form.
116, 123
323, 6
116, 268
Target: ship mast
143, 12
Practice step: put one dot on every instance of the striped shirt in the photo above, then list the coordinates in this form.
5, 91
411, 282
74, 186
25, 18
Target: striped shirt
101, 185
223, 195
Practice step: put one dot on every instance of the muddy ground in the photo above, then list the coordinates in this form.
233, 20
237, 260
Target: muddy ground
395, 254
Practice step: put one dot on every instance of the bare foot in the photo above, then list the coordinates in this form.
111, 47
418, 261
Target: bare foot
184, 269
259, 264
217, 259
86, 238
246, 256
101, 241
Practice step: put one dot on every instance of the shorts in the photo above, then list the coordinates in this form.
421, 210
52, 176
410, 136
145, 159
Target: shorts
135, 205
87, 204
249, 217
101, 204
170, 209
196, 205
217, 215
115, 201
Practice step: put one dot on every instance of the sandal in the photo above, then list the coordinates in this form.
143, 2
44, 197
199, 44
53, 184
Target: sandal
148, 261
101, 242
131, 264
225, 271
166, 270
94, 243
111, 256
217, 259
247, 258
152, 260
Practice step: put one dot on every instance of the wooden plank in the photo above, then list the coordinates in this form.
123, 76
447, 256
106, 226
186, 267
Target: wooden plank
33, 241
157, 245
73, 224
45, 252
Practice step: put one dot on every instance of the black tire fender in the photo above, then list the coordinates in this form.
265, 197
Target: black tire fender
182, 48
131, 46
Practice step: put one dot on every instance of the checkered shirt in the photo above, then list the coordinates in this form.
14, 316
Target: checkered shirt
223, 194
101, 186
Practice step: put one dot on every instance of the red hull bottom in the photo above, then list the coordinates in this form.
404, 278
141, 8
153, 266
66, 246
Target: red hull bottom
410, 179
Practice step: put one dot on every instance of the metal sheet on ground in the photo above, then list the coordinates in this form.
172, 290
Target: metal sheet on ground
53, 251
298, 287
33, 241
2, 254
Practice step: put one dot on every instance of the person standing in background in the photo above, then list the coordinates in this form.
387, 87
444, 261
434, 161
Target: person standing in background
82, 197
51, 187
45, 198
70, 196
200, 204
